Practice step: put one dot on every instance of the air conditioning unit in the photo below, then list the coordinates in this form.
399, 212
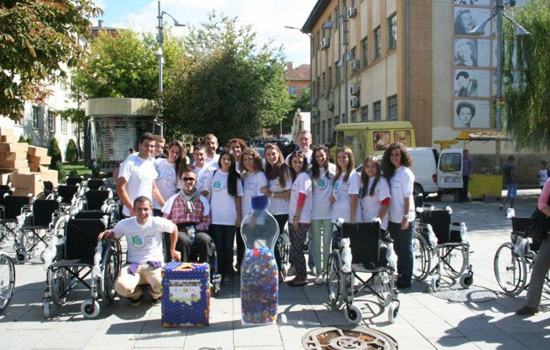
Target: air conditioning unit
325, 43
330, 106
326, 94
355, 64
313, 102
354, 102
355, 89
352, 11
314, 113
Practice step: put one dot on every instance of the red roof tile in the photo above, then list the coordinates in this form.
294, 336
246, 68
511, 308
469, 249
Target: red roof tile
299, 73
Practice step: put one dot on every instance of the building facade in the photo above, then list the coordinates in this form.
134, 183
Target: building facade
297, 79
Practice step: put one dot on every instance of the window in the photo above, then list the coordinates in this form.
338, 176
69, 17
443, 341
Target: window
377, 43
329, 78
35, 117
364, 52
377, 107
392, 107
324, 131
353, 116
51, 121
365, 113
392, 37
336, 120
329, 135
450, 162
337, 73
63, 126
292, 90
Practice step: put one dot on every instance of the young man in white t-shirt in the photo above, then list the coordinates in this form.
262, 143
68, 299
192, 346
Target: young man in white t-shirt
211, 145
137, 174
143, 234
201, 168
304, 145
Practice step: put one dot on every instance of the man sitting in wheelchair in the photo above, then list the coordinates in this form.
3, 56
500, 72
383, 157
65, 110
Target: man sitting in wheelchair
143, 234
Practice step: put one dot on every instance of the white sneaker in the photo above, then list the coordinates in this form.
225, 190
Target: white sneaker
319, 279
291, 271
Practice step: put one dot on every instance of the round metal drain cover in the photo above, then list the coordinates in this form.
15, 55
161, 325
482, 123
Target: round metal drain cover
353, 339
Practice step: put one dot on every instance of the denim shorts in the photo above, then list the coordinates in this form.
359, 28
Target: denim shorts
512, 190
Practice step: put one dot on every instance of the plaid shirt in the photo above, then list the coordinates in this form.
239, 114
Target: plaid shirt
178, 216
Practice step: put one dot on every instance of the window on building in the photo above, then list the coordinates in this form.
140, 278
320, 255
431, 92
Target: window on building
63, 126
329, 130
292, 90
324, 81
318, 87
330, 77
324, 131
364, 52
337, 73
336, 120
35, 117
365, 113
377, 109
51, 121
377, 43
392, 32
353, 116
392, 107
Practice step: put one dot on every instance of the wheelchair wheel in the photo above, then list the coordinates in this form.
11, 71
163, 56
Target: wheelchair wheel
422, 257
467, 280
353, 314
7, 280
29, 240
58, 282
334, 276
393, 311
383, 286
47, 308
435, 283
90, 308
510, 270
454, 260
111, 268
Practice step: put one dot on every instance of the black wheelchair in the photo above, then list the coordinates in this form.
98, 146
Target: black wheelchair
69, 196
370, 249
10, 215
80, 260
95, 184
5, 190
438, 237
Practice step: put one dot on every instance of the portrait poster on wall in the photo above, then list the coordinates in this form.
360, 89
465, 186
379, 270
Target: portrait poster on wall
467, 18
472, 52
474, 114
471, 83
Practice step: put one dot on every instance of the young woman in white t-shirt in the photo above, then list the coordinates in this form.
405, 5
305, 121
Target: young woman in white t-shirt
375, 193
396, 165
345, 190
168, 170
237, 146
299, 215
322, 176
225, 191
252, 173
278, 191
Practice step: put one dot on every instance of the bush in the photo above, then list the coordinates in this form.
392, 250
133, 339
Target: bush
71, 153
25, 140
61, 172
55, 153
73, 173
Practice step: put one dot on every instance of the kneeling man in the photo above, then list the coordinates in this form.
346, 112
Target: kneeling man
143, 234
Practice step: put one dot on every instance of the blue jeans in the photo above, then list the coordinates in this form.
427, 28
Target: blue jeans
403, 245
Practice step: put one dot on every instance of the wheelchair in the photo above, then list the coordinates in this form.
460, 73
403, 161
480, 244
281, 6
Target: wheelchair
10, 215
514, 260
74, 180
70, 197
370, 249
7, 280
102, 201
79, 259
5, 190
95, 184
445, 241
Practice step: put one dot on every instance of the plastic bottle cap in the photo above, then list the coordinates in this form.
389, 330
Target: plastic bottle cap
260, 203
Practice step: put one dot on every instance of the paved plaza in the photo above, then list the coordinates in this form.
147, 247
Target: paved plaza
478, 318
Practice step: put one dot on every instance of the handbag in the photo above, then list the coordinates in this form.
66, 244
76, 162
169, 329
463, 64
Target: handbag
538, 226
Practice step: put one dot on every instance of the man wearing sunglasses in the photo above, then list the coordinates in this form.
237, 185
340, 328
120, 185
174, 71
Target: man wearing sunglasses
190, 211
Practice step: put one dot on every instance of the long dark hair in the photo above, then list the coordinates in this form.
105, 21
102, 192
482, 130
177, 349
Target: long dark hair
365, 177
181, 162
387, 167
315, 170
293, 155
351, 164
255, 157
280, 169
233, 174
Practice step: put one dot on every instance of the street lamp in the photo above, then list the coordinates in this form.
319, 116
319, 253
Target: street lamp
480, 30
160, 39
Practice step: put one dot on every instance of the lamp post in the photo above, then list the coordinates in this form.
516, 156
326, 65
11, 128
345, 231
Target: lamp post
480, 30
160, 39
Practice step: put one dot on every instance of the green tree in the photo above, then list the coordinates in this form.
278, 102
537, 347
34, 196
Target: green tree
38, 41
303, 102
55, 153
71, 153
226, 85
527, 102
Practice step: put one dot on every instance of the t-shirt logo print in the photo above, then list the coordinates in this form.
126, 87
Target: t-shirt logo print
144, 178
137, 241
217, 185
322, 183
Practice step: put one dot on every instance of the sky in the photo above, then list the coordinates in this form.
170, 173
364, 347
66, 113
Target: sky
267, 17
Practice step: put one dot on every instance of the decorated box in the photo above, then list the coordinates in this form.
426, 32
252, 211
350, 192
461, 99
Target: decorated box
185, 295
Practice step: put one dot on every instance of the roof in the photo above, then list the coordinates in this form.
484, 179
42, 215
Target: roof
302, 72
315, 14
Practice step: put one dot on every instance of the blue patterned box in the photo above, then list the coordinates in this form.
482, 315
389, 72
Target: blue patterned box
185, 295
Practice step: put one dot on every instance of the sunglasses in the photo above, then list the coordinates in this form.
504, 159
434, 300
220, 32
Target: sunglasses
188, 179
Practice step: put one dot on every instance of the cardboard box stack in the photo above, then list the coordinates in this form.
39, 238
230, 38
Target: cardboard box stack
23, 165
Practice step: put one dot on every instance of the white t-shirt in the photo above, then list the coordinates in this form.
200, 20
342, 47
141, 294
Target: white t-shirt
222, 204
251, 187
543, 176
341, 191
139, 174
322, 190
401, 187
370, 205
302, 184
279, 206
144, 241
213, 162
167, 180
202, 175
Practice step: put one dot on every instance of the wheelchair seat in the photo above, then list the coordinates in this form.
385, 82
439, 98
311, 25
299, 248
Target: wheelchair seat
95, 184
96, 198
71, 181
13, 206
67, 192
42, 211
365, 239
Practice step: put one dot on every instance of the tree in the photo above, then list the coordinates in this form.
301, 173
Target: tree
527, 100
55, 153
71, 153
39, 40
303, 102
226, 85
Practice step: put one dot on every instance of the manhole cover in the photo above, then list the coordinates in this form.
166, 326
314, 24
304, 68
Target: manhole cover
353, 339
473, 294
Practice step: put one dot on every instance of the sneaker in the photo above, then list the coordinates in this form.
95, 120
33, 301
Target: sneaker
501, 207
319, 280
155, 302
291, 271
135, 302
526, 311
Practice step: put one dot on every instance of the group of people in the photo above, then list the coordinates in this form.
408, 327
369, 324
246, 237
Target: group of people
193, 204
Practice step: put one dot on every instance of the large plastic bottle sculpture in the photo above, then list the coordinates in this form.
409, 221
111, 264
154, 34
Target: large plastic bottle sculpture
259, 273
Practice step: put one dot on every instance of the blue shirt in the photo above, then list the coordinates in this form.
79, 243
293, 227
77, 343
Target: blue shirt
467, 166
